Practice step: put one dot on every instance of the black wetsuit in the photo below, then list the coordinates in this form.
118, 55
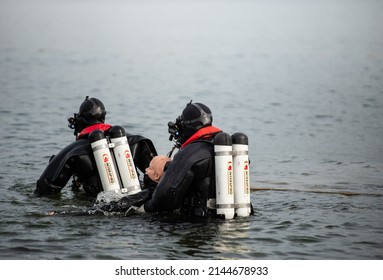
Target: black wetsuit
77, 159
188, 183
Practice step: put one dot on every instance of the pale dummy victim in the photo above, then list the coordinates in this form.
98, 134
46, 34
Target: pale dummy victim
155, 171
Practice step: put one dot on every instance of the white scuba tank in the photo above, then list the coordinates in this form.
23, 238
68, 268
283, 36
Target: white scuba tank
224, 175
104, 161
241, 174
124, 160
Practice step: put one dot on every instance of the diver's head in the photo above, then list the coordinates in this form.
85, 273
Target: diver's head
91, 111
194, 117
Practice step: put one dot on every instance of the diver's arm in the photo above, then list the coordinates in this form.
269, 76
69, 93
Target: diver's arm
61, 167
53, 180
142, 150
44, 187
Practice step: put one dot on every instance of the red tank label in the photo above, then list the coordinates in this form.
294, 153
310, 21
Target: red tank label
108, 168
129, 162
246, 178
230, 178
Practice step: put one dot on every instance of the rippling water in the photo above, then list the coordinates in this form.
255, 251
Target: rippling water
302, 78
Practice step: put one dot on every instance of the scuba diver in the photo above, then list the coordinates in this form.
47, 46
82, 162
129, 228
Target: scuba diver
77, 159
190, 181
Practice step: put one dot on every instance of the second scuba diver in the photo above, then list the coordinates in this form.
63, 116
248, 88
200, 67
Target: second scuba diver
77, 158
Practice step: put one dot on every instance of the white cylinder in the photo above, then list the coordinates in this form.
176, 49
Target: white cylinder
105, 165
224, 178
126, 166
241, 180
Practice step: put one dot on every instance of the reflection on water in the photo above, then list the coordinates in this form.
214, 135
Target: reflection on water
232, 238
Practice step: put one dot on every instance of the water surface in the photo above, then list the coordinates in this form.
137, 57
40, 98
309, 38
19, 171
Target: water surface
302, 78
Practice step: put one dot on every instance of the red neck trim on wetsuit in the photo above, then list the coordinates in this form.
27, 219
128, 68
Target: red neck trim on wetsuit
89, 129
203, 133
